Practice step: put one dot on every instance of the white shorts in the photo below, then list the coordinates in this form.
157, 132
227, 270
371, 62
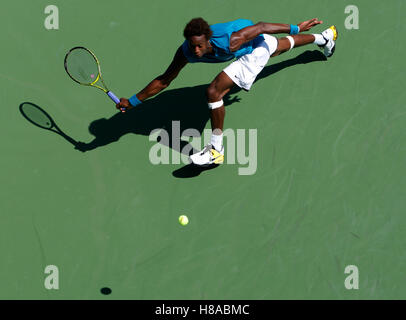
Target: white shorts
245, 69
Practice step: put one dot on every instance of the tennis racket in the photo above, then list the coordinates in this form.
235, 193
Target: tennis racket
83, 67
42, 119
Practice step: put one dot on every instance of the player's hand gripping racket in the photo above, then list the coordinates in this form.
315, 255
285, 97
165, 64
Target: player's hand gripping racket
83, 67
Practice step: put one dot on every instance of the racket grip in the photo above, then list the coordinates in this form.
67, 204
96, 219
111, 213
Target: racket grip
113, 97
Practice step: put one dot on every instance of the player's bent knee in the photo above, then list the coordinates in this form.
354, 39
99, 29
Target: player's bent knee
212, 94
210, 91
215, 105
285, 44
215, 96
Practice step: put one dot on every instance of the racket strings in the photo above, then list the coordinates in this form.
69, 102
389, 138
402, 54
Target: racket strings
82, 66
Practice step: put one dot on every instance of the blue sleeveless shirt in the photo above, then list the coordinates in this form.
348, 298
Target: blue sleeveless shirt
220, 42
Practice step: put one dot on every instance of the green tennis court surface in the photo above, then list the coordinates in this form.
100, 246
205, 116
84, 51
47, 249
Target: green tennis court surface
328, 191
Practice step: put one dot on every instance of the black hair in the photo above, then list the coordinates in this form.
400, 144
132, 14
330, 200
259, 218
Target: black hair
197, 27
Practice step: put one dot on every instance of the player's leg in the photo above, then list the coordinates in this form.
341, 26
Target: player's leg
215, 93
214, 152
285, 45
325, 40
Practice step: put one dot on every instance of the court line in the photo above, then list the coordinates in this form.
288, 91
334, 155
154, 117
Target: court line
43, 257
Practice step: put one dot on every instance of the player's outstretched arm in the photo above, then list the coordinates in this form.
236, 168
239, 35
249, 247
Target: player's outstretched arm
244, 35
159, 83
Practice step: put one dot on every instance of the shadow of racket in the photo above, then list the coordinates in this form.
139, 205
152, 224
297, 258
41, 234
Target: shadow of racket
39, 117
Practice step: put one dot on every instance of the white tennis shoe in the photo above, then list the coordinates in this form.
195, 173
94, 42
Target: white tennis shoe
209, 155
330, 35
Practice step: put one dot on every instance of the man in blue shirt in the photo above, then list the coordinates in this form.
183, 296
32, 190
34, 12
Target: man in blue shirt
250, 44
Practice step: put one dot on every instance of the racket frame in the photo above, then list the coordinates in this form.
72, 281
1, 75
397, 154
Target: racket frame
99, 75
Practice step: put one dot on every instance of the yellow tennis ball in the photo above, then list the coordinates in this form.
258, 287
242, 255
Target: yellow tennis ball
183, 220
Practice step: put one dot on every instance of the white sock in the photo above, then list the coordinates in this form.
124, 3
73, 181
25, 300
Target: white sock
319, 39
216, 141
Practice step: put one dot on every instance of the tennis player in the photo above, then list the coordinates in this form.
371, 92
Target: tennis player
250, 44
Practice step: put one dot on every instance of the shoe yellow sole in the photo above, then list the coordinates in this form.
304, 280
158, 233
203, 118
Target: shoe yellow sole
335, 32
219, 160
218, 157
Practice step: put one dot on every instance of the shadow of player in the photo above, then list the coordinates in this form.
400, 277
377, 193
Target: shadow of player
187, 105
191, 170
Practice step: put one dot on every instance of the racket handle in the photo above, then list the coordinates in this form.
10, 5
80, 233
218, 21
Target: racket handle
113, 97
